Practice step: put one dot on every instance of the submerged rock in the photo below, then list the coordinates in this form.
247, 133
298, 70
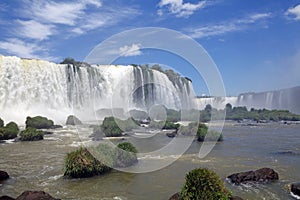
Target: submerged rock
172, 134
3, 175
295, 189
35, 195
55, 126
260, 175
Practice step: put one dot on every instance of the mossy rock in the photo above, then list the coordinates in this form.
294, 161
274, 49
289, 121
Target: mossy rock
126, 155
81, 164
39, 122
10, 131
110, 127
31, 134
72, 120
202, 184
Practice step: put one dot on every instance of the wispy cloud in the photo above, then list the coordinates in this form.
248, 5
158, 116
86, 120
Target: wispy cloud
106, 18
39, 21
179, 8
227, 26
20, 48
294, 11
66, 13
34, 30
133, 50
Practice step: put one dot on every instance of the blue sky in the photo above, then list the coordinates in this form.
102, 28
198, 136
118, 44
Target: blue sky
255, 44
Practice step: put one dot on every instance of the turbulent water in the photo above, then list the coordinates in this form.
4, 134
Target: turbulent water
31, 87
287, 99
39, 165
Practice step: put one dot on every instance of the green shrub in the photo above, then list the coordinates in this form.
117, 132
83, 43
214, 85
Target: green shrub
72, 120
31, 134
10, 131
81, 164
1, 123
202, 184
39, 122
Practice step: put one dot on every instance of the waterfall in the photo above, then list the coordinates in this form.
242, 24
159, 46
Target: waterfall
31, 87
284, 99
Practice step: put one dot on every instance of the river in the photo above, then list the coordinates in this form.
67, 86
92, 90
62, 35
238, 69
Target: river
39, 165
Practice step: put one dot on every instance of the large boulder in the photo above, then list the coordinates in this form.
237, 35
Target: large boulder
72, 120
3, 175
39, 122
295, 189
260, 175
35, 195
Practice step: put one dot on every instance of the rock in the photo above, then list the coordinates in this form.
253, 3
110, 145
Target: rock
175, 196
3, 175
235, 198
48, 132
6, 198
172, 134
260, 175
35, 195
72, 120
295, 189
56, 126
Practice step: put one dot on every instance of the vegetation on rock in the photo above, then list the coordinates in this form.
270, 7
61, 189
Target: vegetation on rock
126, 155
113, 127
203, 183
163, 125
10, 131
31, 134
81, 164
201, 131
99, 160
39, 122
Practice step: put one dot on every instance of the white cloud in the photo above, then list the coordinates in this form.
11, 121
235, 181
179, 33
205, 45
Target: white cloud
227, 26
179, 8
34, 30
133, 50
66, 13
294, 11
19, 48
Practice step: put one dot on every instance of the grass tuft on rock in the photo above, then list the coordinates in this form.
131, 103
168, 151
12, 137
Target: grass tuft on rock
203, 183
81, 164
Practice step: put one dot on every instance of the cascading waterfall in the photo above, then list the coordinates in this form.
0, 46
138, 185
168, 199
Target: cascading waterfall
35, 87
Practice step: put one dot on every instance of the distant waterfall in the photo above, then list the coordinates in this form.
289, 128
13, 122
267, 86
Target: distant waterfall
32, 87
285, 99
